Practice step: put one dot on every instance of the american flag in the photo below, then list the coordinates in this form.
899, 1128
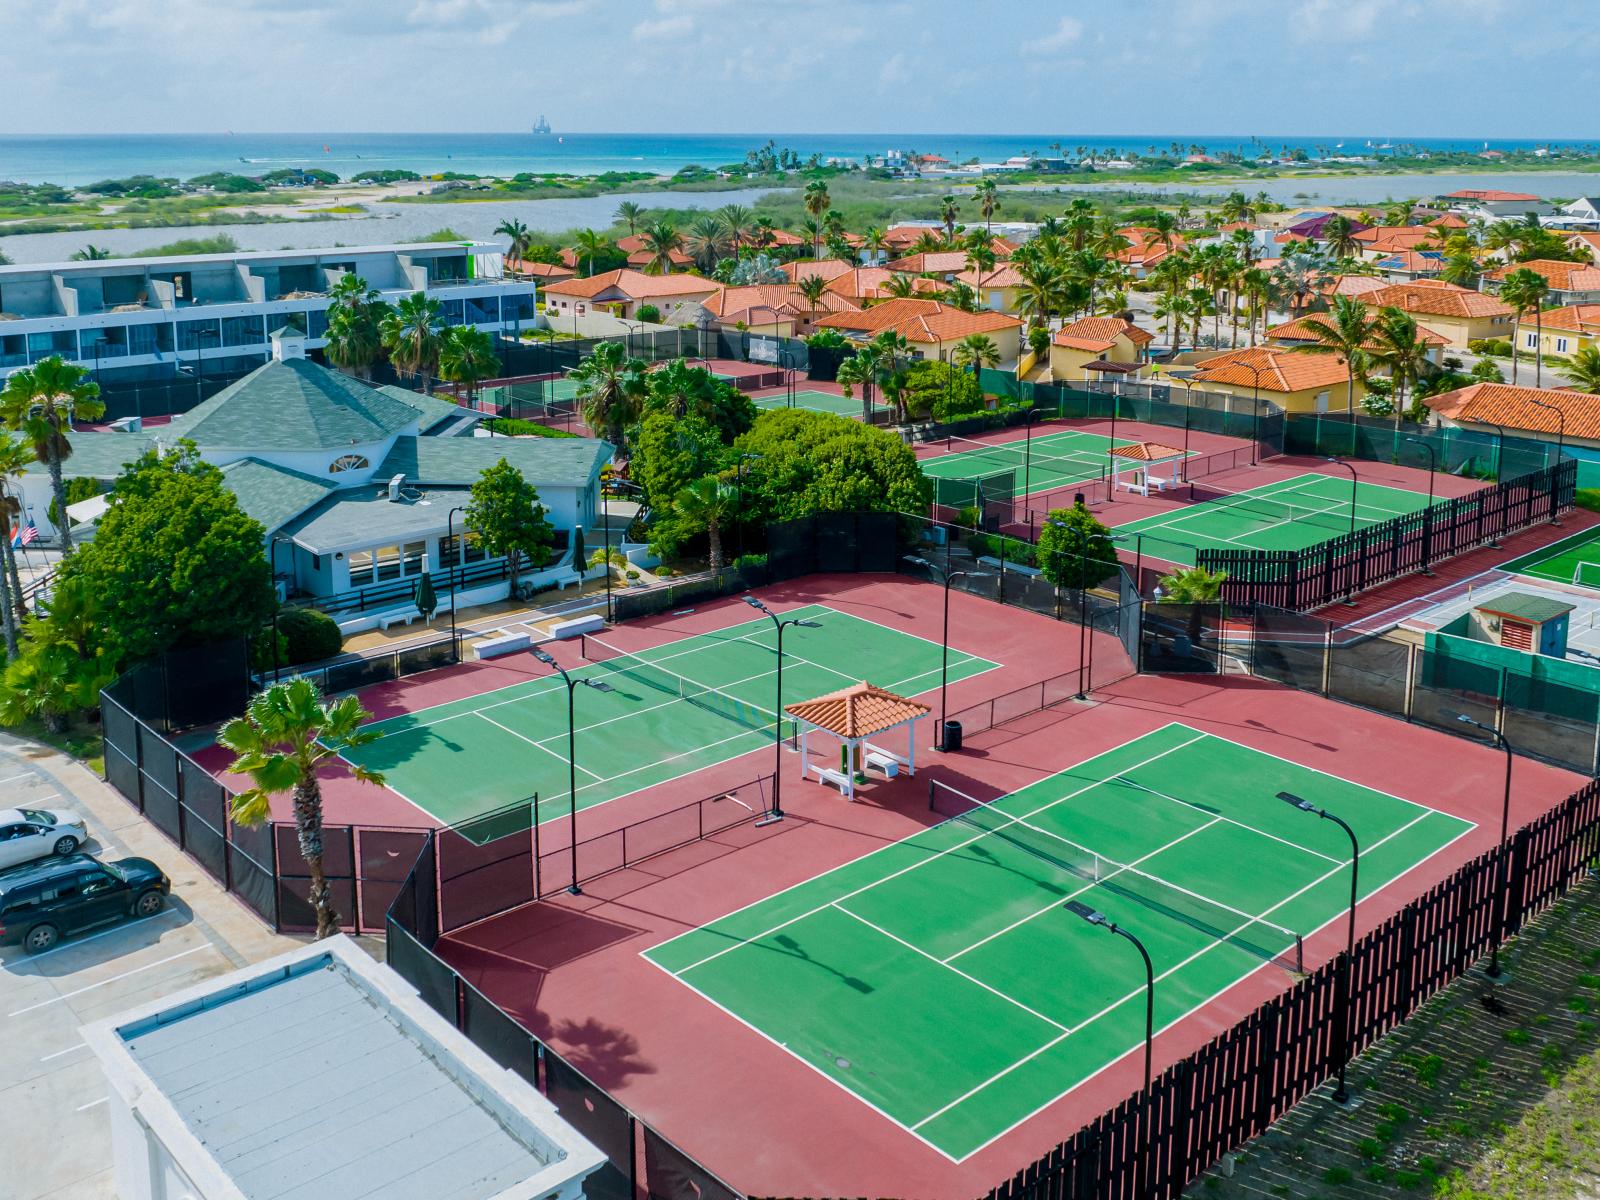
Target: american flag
25, 535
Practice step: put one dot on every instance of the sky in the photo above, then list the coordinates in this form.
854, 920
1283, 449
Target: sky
1407, 68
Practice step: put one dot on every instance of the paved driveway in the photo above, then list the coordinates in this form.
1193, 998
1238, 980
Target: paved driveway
55, 1137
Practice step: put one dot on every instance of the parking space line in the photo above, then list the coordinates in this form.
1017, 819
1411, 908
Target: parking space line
92, 1103
68, 1050
14, 778
33, 958
91, 986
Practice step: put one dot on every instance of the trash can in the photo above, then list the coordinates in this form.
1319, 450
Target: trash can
952, 736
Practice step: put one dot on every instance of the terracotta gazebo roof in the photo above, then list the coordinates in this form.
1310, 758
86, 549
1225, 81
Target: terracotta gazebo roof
858, 711
1147, 452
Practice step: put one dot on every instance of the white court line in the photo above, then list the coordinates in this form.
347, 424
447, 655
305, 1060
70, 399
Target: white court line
1230, 820
91, 987
68, 1050
535, 744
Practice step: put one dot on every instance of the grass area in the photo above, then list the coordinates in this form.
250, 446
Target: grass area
1462, 1103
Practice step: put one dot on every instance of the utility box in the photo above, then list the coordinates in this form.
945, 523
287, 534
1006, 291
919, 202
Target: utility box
1522, 621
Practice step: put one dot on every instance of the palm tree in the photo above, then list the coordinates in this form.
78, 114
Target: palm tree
707, 242
1346, 330
1041, 295
1398, 213
875, 241
949, 213
928, 242
590, 245
467, 357
813, 288
1257, 286
662, 240
811, 229
1339, 235
355, 314
960, 295
1171, 275
762, 231
901, 285
988, 201
1524, 290
708, 502
43, 401
1400, 347
980, 260
90, 253
975, 351
1459, 269
520, 235
891, 347
1162, 231
630, 214
1583, 370
15, 458
611, 388
860, 368
410, 333
735, 220
287, 732
1235, 207
817, 202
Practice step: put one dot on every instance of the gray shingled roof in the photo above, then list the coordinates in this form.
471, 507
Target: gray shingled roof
272, 495
556, 462
368, 515
434, 411
100, 455
294, 405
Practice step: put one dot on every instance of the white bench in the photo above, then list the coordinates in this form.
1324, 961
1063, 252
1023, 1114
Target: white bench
887, 763
394, 616
839, 779
985, 560
593, 623
505, 643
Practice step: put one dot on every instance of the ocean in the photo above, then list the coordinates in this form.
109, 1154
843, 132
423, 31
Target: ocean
79, 159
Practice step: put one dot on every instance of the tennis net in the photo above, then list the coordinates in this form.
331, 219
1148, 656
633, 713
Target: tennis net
1335, 519
1252, 934
701, 695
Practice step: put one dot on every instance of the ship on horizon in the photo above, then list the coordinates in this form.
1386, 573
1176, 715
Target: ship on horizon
541, 125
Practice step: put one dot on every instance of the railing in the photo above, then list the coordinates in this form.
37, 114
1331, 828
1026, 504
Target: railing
377, 595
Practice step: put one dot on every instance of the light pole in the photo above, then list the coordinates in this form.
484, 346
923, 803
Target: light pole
944, 659
1340, 1094
1255, 410
1505, 828
1082, 911
1354, 479
1027, 457
1085, 642
738, 494
276, 662
777, 716
1561, 441
1427, 517
572, 755
459, 551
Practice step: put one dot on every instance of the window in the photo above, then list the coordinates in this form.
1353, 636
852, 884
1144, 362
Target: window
348, 462
411, 558
1561, 345
1531, 340
361, 567
449, 546
387, 561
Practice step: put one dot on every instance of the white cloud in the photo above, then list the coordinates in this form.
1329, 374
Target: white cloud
1067, 33
664, 29
894, 72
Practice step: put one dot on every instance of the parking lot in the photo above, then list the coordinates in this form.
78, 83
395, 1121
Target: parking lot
55, 1135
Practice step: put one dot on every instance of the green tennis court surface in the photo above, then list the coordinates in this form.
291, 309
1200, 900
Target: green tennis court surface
1289, 514
560, 389
941, 980
813, 402
674, 709
1055, 460
1574, 559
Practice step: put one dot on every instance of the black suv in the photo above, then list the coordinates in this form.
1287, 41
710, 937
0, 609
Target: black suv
43, 900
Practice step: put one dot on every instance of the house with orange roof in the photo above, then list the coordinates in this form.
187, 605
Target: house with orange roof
900, 238
1561, 331
1584, 240
540, 271
1300, 332
638, 257
1295, 382
1496, 205
946, 264
1076, 349
1447, 221
1383, 240
779, 309
1570, 282
805, 268
997, 289
932, 327
1460, 314
621, 292
1141, 254
867, 285
1527, 412
1402, 266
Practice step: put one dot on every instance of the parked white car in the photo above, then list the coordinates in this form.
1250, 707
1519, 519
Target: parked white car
30, 833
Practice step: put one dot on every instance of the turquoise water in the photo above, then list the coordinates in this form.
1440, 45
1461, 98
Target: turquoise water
85, 158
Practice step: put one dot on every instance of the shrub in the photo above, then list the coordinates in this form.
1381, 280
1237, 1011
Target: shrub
648, 313
309, 635
517, 427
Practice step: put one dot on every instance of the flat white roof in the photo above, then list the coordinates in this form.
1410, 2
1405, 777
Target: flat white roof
92, 266
320, 1074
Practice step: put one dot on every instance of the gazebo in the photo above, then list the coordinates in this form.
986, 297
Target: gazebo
853, 715
1143, 459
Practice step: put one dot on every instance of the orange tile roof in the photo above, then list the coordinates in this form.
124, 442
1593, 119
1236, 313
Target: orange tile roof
635, 285
1490, 195
906, 235
1278, 370
1562, 276
1003, 276
758, 302
805, 268
1389, 240
1300, 330
1418, 262
1147, 452
937, 262
1513, 407
858, 711
1435, 297
1351, 285
920, 320
1448, 221
1098, 334
1141, 253
538, 270
1584, 237
1571, 318
871, 283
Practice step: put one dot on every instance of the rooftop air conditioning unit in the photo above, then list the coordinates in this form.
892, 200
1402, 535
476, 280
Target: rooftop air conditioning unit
128, 424
395, 487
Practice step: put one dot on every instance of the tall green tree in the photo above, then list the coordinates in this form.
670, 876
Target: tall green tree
813, 288
518, 234
467, 357
42, 401
1583, 370
1075, 550
671, 453
818, 462
591, 246
504, 514
411, 334
976, 351
1339, 235
1344, 330
708, 503
1525, 291
174, 560
1400, 347
706, 243
735, 219
15, 458
988, 197
287, 732
817, 202
59, 670
356, 313
611, 391
661, 241
630, 214
949, 214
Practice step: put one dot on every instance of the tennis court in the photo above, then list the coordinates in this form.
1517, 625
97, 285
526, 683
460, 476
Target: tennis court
812, 401
1053, 460
942, 981
1288, 514
556, 389
1574, 559
672, 710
